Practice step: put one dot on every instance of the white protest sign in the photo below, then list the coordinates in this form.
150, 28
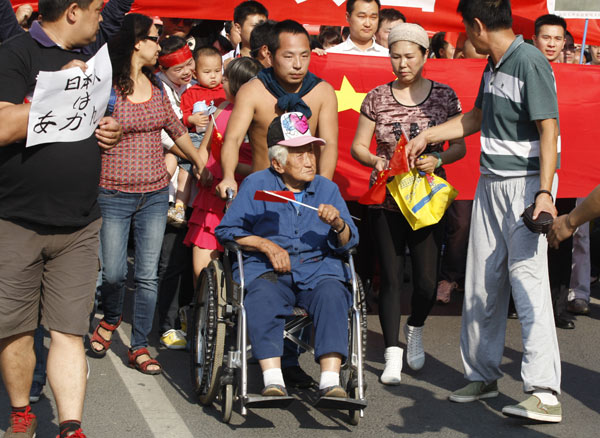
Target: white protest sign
575, 8
68, 104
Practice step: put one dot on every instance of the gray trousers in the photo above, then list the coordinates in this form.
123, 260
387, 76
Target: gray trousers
504, 254
581, 264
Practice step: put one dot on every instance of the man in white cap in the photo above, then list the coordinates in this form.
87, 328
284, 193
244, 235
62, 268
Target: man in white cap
291, 257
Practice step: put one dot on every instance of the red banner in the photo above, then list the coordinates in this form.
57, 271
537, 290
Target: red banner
579, 105
433, 15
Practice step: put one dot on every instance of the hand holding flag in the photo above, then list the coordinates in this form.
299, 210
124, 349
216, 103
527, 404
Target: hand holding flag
398, 165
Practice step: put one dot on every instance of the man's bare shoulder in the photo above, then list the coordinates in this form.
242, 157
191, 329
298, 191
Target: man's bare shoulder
253, 87
323, 90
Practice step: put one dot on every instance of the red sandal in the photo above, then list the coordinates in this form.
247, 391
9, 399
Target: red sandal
142, 367
100, 340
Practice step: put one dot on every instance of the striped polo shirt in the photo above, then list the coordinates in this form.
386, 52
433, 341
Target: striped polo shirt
513, 94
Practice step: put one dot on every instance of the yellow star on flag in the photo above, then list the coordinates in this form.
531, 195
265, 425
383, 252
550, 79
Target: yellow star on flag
348, 98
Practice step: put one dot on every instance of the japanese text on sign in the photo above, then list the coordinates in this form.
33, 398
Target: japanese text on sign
68, 104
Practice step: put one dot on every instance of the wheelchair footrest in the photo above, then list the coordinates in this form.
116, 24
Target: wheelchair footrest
340, 403
259, 401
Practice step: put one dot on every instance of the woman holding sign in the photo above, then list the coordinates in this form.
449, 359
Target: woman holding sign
134, 187
407, 105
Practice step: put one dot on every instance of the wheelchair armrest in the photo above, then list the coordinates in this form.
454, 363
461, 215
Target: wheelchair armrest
233, 247
351, 251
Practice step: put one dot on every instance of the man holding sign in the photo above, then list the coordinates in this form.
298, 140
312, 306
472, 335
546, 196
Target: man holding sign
49, 217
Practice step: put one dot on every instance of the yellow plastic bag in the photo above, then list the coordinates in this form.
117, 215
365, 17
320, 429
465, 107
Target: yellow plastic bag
423, 199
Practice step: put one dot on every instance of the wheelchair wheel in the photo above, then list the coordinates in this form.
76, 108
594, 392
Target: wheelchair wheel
353, 415
208, 328
226, 402
348, 376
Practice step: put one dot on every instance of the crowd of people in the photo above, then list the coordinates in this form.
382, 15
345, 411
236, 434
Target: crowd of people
200, 109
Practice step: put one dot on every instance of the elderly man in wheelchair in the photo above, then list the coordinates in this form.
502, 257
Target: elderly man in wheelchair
291, 254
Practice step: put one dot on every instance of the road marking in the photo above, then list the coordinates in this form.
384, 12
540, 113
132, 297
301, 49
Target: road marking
158, 412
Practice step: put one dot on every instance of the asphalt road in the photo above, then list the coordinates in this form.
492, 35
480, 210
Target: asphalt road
122, 402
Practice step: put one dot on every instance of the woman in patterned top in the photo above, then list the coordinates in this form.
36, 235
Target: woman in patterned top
409, 104
134, 187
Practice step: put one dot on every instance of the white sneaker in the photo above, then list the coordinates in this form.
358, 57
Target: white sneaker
174, 339
415, 355
393, 366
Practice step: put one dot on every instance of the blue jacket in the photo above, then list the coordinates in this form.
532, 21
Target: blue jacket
310, 242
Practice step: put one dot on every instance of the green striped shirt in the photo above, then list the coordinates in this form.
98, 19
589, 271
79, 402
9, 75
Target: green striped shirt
513, 94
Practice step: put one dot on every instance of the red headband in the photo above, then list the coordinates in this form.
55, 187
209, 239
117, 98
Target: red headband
177, 57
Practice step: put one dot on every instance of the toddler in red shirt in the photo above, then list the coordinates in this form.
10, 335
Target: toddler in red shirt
198, 103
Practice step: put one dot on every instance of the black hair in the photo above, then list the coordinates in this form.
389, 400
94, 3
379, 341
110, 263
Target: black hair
438, 43
135, 28
52, 10
494, 14
241, 70
245, 9
206, 51
285, 26
549, 20
171, 44
261, 36
329, 37
350, 4
224, 42
389, 14
345, 32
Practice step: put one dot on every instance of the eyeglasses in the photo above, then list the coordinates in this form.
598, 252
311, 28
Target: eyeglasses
152, 38
569, 48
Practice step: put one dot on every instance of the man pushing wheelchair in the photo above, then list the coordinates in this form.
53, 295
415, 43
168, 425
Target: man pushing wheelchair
292, 254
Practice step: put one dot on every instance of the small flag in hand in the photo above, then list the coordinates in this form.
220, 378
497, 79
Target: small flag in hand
376, 194
398, 165
216, 143
263, 195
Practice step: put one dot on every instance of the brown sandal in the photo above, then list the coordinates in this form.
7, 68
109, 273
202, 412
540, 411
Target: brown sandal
100, 340
143, 367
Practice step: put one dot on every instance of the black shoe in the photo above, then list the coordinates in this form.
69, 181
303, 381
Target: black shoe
295, 377
578, 306
563, 323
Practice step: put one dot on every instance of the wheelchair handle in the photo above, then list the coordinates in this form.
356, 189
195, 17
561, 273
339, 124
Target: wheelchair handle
230, 195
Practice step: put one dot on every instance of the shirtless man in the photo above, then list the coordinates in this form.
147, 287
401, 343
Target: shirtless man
256, 107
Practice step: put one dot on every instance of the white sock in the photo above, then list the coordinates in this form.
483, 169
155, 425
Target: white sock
273, 376
329, 378
546, 396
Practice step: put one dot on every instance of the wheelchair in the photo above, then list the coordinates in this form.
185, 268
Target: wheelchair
220, 348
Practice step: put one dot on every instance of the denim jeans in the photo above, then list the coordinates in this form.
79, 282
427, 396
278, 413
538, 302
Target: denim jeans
176, 288
41, 355
148, 212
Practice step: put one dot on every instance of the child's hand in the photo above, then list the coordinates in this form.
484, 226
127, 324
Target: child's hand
201, 121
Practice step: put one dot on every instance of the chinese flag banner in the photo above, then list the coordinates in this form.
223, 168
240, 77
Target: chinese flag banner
433, 15
354, 76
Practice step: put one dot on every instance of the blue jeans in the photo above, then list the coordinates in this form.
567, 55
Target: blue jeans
148, 212
39, 373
